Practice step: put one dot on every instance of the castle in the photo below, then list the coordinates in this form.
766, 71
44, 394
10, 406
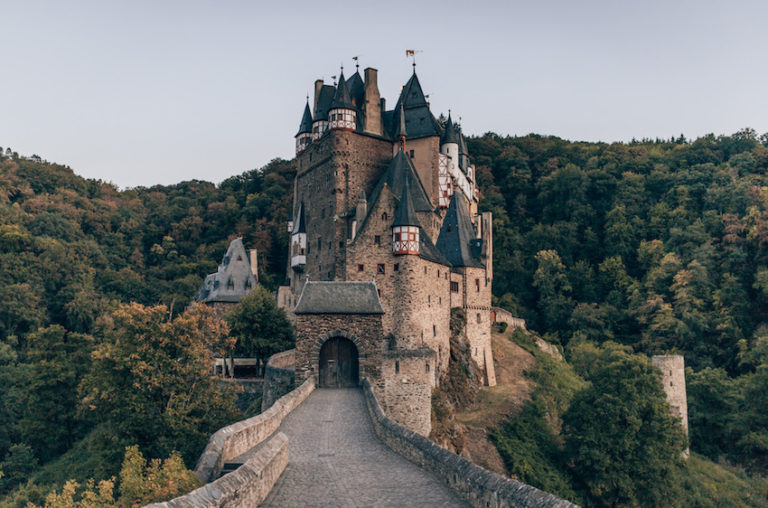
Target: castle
386, 240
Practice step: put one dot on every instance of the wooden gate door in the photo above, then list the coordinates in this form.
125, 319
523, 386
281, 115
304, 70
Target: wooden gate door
338, 364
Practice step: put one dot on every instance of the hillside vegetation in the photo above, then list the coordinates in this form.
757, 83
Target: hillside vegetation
658, 246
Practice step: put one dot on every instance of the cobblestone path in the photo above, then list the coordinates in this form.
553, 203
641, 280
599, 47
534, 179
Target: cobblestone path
337, 460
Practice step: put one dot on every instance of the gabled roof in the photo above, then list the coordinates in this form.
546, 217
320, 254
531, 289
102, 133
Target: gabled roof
400, 171
450, 135
405, 215
306, 121
342, 98
336, 297
324, 99
456, 234
232, 281
299, 223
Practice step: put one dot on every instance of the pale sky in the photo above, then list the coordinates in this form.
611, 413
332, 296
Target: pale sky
157, 92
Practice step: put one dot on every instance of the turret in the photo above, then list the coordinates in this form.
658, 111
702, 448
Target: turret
342, 113
449, 142
405, 228
304, 136
299, 241
400, 133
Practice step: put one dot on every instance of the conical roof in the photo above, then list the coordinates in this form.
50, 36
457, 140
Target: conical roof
299, 223
457, 233
306, 121
405, 215
342, 98
412, 93
450, 135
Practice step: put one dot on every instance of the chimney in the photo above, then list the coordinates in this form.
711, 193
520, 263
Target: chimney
318, 87
372, 106
254, 263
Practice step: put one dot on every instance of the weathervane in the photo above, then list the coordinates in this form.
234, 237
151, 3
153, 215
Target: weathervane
412, 53
356, 58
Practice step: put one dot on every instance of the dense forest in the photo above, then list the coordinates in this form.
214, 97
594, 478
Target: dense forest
656, 245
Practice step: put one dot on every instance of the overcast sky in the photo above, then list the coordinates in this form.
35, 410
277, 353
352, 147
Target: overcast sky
148, 92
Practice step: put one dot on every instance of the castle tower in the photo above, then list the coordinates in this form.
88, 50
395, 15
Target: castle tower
672, 369
304, 136
342, 114
405, 228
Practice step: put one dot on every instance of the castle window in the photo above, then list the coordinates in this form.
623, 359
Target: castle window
319, 243
427, 366
230, 285
397, 367
384, 216
396, 267
454, 287
301, 252
412, 154
379, 292
341, 245
434, 331
377, 239
360, 268
440, 300
477, 284
479, 318
438, 274
429, 298
322, 213
425, 270
380, 268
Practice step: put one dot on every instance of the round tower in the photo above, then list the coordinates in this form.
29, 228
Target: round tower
449, 142
342, 113
405, 228
304, 136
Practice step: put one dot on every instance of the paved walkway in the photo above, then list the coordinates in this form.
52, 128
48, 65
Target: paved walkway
337, 460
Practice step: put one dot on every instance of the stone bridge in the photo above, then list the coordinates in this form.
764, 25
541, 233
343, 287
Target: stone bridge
335, 447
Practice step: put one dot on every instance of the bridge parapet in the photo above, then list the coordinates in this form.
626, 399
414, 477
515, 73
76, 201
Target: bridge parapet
234, 440
476, 485
247, 486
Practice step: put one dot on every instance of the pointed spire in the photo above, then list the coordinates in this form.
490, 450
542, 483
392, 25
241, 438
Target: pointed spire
405, 215
401, 133
306, 120
450, 135
457, 233
342, 99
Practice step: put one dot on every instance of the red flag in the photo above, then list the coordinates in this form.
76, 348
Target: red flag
409, 52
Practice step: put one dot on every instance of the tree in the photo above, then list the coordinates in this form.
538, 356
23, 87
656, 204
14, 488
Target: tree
17, 467
625, 445
261, 327
554, 288
151, 379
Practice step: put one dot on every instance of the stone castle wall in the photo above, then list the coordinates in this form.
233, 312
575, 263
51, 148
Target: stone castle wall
404, 387
279, 377
476, 290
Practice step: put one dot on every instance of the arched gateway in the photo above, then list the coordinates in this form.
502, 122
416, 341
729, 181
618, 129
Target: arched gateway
338, 364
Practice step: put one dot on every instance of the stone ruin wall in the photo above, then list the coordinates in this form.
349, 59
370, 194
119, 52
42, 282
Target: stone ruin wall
672, 369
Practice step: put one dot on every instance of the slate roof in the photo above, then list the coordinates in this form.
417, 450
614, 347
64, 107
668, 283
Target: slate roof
457, 233
324, 99
299, 223
336, 297
306, 121
418, 119
428, 251
400, 171
405, 215
356, 89
341, 98
450, 135
235, 267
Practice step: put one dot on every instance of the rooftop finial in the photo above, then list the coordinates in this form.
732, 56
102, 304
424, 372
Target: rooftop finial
357, 63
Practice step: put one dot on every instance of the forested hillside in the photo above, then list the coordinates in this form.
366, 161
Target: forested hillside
658, 245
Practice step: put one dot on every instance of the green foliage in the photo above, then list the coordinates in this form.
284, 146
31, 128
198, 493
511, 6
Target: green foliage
625, 446
18, 466
261, 327
151, 381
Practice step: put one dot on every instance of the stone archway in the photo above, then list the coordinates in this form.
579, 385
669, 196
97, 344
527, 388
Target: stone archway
338, 364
